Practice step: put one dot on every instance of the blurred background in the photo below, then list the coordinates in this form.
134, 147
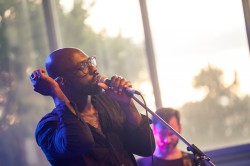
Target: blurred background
194, 57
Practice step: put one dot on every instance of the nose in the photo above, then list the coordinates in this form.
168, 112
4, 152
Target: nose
169, 139
92, 69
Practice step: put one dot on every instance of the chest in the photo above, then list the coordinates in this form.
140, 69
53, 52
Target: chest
91, 117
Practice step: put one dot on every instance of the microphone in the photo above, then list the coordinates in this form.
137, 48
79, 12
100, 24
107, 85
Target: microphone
106, 81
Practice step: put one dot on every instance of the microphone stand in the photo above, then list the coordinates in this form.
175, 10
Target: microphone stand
199, 156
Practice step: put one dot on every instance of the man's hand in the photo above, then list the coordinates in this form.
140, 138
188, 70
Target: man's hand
117, 89
117, 92
48, 86
43, 83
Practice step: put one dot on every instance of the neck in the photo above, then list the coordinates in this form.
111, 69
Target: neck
82, 102
168, 155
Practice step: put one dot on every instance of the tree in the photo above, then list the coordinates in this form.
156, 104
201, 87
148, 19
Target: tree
113, 53
18, 53
220, 115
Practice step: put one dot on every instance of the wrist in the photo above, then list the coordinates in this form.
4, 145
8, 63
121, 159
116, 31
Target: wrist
132, 114
58, 95
126, 103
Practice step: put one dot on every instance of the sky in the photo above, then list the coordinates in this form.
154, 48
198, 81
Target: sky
187, 36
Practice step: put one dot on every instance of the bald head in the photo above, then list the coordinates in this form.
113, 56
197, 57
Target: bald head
61, 61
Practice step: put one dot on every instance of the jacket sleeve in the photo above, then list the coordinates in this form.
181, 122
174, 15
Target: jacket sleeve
61, 133
140, 140
137, 140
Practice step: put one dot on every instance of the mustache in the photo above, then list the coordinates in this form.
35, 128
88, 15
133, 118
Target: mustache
95, 77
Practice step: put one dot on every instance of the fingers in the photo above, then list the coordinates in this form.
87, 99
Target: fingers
35, 75
103, 86
118, 84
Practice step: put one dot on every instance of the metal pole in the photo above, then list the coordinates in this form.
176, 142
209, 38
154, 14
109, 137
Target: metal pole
51, 21
246, 10
150, 53
199, 156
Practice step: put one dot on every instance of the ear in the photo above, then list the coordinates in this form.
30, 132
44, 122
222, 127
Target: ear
180, 128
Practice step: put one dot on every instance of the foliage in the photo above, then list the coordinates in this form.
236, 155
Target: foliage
111, 52
220, 115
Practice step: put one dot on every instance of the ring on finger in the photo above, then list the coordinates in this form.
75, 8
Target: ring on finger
33, 76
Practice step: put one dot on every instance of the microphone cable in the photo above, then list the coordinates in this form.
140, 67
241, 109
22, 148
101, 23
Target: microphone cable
148, 129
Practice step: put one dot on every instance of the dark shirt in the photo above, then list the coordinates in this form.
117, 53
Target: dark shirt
186, 160
67, 140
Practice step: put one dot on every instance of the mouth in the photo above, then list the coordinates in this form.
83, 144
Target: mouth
96, 78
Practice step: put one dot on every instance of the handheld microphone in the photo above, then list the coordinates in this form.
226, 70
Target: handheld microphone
106, 81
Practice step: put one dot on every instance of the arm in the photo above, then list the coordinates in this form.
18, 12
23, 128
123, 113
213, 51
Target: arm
138, 136
47, 86
117, 92
140, 140
132, 114
60, 132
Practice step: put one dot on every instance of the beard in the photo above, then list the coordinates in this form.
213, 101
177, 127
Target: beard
94, 89
91, 88
171, 146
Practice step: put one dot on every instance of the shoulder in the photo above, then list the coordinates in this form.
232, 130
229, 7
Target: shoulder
188, 158
144, 161
50, 119
187, 155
